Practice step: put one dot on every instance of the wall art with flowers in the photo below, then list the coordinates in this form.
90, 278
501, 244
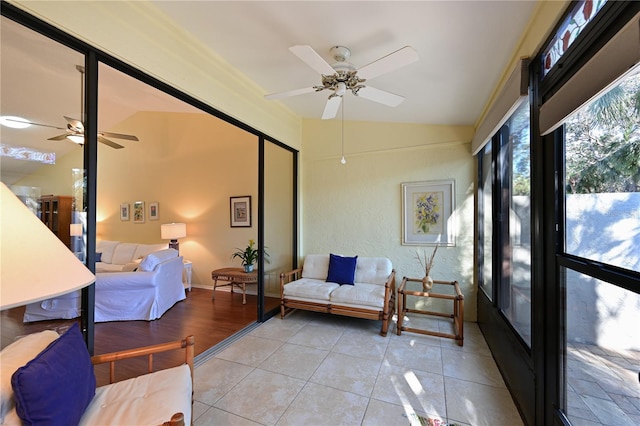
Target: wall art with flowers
427, 213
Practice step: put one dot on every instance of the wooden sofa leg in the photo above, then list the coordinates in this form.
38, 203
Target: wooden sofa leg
176, 420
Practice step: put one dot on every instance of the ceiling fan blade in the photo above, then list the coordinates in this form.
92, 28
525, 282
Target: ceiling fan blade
289, 93
112, 144
36, 124
313, 59
377, 95
331, 108
59, 137
118, 136
391, 62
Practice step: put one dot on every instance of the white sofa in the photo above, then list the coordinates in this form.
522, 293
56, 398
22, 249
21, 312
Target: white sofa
371, 294
49, 379
144, 294
122, 257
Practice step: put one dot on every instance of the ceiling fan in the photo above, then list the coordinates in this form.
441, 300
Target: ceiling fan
75, 128
343, 76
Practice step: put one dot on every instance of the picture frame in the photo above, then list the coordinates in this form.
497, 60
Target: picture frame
427, 213
154, 211
124, 211
240, 211
138, 212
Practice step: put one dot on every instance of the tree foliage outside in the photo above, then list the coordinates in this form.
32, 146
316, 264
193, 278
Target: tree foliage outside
602, 142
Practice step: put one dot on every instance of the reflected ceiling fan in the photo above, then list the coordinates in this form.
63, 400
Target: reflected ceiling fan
75, 128
343, 76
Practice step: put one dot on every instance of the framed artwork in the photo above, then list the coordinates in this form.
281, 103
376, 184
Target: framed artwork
138, 212
240, 211
124, 211
427, 213
154, 212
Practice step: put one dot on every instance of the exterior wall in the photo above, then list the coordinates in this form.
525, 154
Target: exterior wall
355, 209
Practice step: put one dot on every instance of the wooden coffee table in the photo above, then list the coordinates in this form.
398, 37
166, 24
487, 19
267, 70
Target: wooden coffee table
233, 277
413, 287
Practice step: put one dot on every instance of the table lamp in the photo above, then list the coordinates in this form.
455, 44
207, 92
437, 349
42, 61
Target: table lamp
173, 231
34, 264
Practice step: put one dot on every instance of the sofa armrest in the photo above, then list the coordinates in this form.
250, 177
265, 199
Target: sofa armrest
188, 344
287, 277
390, 290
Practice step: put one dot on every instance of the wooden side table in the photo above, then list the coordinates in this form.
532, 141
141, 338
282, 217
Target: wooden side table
457, 297
233, 276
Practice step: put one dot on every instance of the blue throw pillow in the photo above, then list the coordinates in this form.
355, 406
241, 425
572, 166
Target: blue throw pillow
342, 270
99, 256
56, 387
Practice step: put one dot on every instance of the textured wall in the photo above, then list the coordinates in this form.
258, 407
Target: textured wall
355, 209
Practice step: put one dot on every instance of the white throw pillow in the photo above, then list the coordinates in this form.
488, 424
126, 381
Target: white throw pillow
106, 248
123, 253
316, 266
152, 260
15, 356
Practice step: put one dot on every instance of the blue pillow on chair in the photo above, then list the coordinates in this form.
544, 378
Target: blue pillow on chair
56, 387
342, 270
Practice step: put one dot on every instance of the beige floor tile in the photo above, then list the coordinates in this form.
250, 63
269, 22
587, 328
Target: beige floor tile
320, 405
295, 361
479, 404
362, 344
607, 411
216, 377
471, 367
410, 354
383, 413
250, 350
215, 416
420, 391
262, 396
347, 373
279, 329
315, 335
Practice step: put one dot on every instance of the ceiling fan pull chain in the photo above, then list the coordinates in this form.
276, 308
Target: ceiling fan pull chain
342, 160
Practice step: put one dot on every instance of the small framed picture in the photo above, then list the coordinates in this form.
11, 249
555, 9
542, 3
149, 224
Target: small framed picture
241, 211
124, 211
138, 212
154, 213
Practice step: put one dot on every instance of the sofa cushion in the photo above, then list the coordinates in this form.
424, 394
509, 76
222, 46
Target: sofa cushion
15, 356
373, 270
150, 399
316, 266
359, 294
123, 253
342, 270
57, 385
310, 289
144, 249
152, 260
106, 248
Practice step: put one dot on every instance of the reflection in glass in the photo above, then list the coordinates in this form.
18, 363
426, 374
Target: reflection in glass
487, 221
602, 177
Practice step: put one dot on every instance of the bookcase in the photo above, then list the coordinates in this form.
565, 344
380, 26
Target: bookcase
56, 212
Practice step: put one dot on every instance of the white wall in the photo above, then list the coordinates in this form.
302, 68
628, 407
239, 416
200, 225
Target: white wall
355, 209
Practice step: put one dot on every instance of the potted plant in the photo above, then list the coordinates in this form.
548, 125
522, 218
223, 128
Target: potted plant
249, 256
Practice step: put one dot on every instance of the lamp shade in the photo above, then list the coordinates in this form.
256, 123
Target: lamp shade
34, 264
173, 231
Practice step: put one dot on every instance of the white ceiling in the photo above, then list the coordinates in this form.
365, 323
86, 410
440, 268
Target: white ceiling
464, 47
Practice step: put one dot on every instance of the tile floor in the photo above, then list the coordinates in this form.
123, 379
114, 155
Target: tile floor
603, 386
315, 369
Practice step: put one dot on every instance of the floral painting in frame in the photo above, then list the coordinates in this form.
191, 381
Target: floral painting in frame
138, 212
427, 213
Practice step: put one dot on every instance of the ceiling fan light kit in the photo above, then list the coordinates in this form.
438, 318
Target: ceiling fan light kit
342, 76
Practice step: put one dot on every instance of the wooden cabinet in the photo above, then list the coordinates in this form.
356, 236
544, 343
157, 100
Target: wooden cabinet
56, 212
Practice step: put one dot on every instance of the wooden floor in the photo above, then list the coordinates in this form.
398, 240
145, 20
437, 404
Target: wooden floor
210, 321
